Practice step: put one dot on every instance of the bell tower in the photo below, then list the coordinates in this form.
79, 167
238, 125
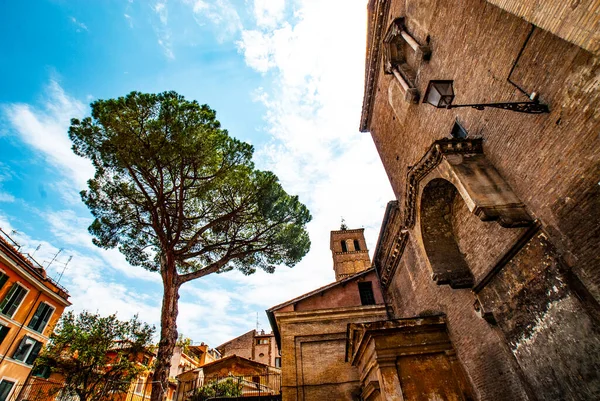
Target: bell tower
349, 251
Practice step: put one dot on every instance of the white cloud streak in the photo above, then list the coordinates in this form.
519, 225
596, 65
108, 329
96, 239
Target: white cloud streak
163, 31
79, 26
45, 130
221, 14
316, 148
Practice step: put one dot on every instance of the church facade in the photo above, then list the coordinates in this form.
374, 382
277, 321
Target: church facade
485, 115
486, 276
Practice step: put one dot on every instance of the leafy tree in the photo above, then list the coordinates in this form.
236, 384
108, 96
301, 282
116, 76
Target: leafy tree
183, 342
177, 195
96, 355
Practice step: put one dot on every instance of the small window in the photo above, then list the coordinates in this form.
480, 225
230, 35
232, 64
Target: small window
28, 350
366, 293
458, 132
41, 371
5, 387
3, 332
3, 279
41, 317
344, 248
277, 362
12, 300
356, 245
262, 340
139, 388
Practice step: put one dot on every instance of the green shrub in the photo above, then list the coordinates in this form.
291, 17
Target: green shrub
223, 388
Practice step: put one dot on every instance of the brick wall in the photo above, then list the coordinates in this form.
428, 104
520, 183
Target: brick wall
551, 161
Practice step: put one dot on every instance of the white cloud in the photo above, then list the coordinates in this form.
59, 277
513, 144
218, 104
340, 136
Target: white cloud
220, 13
80, 26
163, 31
129, 20
268, 13
45, 129
316, 149
6, 197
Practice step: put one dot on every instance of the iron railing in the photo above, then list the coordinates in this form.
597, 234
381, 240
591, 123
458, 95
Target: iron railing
230, 387
47, 390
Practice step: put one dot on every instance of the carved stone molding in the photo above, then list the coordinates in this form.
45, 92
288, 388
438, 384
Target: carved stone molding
395, 59
387, 272
378, 10
428, 162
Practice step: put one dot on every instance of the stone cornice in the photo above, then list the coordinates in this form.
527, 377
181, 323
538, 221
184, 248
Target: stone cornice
377, 16
330, 314
353, 230
428, 162
356, 344
352, 252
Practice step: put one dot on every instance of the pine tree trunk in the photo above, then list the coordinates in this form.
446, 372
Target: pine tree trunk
168, 332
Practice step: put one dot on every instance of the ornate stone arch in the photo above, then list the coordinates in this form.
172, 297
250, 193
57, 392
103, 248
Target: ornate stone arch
450, 168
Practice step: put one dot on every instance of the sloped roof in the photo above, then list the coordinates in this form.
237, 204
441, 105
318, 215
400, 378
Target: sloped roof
218, 347
270, 311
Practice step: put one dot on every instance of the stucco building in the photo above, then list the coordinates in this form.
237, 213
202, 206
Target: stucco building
30, 305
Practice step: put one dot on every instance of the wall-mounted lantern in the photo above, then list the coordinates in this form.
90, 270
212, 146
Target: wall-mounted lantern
440, 94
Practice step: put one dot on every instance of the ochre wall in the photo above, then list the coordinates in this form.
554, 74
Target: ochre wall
15, 370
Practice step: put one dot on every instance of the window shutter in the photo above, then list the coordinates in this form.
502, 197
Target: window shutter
3, 279
23, 348
45, 318
3, 332
5, 387
34, 353
40, 318
7, 297
14, 303
36, 316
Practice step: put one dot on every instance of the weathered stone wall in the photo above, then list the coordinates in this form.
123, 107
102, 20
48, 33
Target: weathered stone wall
247, 346
542, 291
551, 160
576, 21
351, 260
314, 349
241, 346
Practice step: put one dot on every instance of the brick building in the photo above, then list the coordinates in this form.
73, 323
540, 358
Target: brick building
485, 115
254, 345
496, 224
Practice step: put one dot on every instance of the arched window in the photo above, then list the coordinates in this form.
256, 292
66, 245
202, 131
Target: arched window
344, 248
356, 245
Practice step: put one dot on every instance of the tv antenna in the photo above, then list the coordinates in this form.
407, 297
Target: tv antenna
257, 323
53, 259
64, 268
36, 249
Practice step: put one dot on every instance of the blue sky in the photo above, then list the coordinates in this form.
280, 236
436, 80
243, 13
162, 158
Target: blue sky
285, 75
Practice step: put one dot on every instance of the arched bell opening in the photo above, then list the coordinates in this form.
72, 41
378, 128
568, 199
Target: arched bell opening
445, 257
